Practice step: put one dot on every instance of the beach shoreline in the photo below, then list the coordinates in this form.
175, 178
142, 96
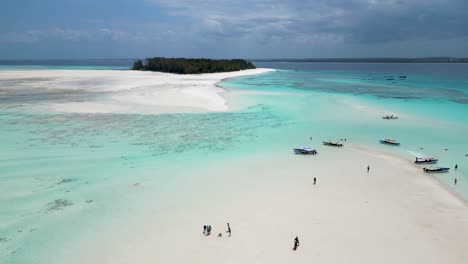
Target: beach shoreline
436, 180
268, 200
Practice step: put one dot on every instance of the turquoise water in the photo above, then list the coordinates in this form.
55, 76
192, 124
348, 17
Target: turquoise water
348, 101
64, 176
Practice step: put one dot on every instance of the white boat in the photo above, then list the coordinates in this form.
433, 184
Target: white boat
425, 160
305, 151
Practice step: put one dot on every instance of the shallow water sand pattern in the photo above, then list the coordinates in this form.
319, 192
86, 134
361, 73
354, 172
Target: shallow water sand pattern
39, 140
58, 205
159, 134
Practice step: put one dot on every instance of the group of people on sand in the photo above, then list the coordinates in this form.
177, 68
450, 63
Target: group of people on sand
207, 230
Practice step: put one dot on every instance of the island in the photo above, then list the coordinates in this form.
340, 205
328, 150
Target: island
191, 66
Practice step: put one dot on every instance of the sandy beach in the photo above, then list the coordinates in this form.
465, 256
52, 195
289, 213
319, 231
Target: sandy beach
112, 91
393, 214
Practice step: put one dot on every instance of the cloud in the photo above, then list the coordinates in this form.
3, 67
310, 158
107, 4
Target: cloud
321, 21
248, 28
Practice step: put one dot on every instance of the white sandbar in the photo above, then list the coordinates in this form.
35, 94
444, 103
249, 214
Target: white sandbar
113, 91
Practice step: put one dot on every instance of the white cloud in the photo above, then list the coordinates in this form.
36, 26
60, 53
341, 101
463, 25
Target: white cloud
323, 21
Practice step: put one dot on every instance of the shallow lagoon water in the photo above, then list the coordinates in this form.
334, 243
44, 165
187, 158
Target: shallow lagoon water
65, 176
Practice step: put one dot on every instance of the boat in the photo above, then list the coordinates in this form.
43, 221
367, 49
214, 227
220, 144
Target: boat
436, 169
332, 143
390, 116
390, 142
305, 151
425, 160
402, 76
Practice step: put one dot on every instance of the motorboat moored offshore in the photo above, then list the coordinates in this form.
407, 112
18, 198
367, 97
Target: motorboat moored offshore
425, 160
436, 169
390, 142
390, 116
332, 143
305, 151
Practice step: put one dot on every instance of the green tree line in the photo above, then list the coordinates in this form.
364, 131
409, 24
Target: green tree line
191, 66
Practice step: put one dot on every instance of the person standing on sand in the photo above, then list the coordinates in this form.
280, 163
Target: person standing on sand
368, 168
315, 180
296, 243
456, 166
204, 229
229, 229
455, 181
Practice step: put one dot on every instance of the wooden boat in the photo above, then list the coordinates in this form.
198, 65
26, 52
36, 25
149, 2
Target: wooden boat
390, 142
305, 151
332, 143
390, 117
425, 160
436, 169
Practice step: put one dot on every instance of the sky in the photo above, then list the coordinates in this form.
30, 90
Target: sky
87, 29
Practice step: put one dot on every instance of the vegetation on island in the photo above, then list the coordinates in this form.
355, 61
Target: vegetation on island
191, 66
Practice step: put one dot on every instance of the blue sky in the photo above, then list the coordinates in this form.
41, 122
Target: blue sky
68, 29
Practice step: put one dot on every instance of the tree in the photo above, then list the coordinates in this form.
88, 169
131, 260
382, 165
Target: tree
138, 66
191, 66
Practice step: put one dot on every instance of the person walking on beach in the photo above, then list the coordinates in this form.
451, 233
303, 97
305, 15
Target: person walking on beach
204, 229
229, 229
208, 230
315, 180
296, 243
455, 181
368, 168
456, 166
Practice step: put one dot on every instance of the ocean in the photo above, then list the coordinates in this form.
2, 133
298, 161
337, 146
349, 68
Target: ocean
67, 175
